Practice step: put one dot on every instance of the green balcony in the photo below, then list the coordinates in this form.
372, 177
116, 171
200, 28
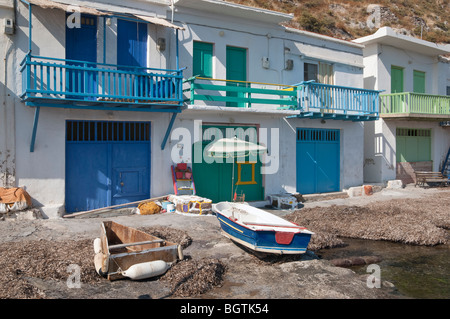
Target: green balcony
418, 106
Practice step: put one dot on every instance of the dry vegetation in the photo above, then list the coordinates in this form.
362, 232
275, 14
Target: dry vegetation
421, 222
346, 19
49, 260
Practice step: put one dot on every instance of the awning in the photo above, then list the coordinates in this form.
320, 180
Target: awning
47, 4
158, 21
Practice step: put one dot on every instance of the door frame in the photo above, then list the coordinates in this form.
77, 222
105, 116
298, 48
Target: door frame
93, 137
316, 136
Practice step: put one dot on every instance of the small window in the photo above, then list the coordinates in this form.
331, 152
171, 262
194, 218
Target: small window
202, 59
246, 174
448, 90
310, 73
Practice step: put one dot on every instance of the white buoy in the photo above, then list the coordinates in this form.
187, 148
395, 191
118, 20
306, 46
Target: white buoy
97, 245
146, 270
98, 262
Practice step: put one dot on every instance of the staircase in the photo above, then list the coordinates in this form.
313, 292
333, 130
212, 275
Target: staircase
446, 167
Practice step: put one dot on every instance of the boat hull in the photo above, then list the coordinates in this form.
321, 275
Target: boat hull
265, 241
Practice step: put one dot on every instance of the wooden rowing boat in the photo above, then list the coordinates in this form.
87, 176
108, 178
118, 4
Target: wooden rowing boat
261, 231
125, 252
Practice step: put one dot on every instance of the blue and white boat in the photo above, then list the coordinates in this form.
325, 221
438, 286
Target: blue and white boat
261, 231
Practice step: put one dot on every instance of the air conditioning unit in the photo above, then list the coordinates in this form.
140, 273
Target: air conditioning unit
289, 65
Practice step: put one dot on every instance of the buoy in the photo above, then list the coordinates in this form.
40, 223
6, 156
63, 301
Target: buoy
98, 264
146, 270
97, 245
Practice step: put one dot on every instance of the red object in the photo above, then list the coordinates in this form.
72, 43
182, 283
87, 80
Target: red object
182, 166
284, 237
179, 175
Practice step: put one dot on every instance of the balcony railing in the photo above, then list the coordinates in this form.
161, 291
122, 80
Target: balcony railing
240, 93
52, 80
338, 100
415, 103
310, 98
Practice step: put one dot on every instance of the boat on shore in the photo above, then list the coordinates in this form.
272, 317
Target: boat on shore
261, 231
125, 252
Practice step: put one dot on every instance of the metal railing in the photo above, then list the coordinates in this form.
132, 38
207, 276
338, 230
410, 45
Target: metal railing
52, 78
418, 103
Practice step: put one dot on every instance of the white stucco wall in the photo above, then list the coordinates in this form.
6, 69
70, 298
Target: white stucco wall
42, 172
7, 97
380, 137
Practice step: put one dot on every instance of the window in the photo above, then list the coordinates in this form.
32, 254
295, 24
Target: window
202, 59
448, 90
310, 72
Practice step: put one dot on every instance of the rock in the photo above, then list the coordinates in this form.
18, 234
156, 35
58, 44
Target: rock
395, 184
355, 261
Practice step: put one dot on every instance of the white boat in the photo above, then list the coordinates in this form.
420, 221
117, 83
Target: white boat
261, 231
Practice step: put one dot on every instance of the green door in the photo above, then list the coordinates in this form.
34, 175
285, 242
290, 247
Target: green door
397, 102
396, 79
202, 56
413, 145
214, 179
236, 70
419, 82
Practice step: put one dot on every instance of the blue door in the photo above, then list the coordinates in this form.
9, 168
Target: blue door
318, 161
81, 45
107, 163
131, 43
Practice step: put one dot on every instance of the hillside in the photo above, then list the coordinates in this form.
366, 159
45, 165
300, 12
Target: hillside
348, 19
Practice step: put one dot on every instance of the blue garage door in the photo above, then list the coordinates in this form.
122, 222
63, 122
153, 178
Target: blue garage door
107, 163
318, 160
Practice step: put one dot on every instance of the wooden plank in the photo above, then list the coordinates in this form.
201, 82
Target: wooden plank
136, 244
109, 208
243, 89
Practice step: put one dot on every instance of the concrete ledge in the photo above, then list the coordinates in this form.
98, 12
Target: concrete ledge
52, 211
395, 184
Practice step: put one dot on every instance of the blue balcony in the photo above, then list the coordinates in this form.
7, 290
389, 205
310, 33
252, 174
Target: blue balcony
326, 101
53, 82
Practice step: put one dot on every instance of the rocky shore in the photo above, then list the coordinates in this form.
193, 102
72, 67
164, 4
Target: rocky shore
35, 254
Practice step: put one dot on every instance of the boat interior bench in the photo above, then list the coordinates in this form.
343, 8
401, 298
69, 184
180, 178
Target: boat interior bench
423, 178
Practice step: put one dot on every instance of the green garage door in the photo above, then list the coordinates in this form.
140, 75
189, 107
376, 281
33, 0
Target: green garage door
213, 179
413, 145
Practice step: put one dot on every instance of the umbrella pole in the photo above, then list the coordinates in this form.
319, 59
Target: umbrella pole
232, 181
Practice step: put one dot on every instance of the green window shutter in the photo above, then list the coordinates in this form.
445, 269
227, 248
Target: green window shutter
396, 79
419, 82
202, 64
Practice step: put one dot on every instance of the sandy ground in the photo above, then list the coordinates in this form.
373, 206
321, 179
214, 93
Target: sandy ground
36, 256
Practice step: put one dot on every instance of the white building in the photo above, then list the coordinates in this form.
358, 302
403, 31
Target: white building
94, 116
412, 132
